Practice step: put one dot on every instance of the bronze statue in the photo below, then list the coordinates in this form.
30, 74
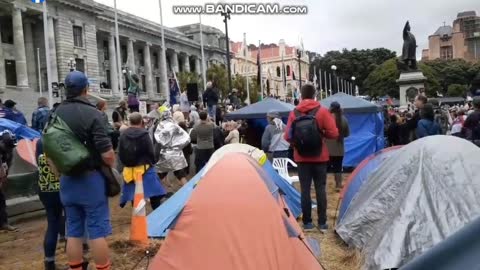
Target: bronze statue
409, 52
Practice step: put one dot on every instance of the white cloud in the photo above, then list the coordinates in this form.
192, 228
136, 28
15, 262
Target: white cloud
329, 25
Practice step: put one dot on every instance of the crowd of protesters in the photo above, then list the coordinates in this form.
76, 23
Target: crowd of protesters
427, 118
163, 141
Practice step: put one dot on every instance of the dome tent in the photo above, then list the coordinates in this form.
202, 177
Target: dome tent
232, 221
414, 200
366, 127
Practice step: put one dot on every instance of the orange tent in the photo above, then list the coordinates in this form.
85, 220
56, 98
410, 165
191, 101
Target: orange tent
233, 222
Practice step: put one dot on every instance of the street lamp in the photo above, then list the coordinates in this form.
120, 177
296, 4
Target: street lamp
299, 56
335, 85
71, 64
353, 82
226, 16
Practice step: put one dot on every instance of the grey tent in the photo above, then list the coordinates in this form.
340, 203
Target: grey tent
351, 104
459, 251
418, 197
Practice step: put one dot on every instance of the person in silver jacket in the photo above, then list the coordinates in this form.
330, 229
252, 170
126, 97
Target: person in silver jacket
171, 140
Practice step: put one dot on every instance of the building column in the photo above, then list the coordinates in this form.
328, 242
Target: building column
113, 65
3, 75
19, 42
163, 73
198, 65
30, 56
148, 70
186, 63
52, 50
174, 61
131, 56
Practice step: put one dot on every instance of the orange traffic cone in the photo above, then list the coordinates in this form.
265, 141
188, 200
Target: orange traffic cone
138, 227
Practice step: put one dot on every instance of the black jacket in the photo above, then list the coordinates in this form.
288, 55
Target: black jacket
88, 124
210, 97
135, 147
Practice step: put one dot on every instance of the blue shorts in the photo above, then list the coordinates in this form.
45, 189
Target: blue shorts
86, 205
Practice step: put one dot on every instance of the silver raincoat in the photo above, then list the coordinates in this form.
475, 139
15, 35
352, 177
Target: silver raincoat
172, 139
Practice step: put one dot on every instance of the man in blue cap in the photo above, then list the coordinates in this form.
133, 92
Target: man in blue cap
84, 195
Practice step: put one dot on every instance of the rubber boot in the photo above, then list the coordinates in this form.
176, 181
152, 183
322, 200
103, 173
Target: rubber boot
338, 181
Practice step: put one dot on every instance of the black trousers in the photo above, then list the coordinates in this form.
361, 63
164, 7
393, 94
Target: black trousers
316, 172
3, 208
56, 221
201, 158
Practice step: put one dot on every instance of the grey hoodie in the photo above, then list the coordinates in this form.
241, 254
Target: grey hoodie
272, 139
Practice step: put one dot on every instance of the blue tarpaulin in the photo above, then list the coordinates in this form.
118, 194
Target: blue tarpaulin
21, 131
260, 109
366, 127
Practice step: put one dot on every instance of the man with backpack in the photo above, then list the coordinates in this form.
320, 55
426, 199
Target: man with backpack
135, 151
75, 141
472, 124
308, 125
441, 116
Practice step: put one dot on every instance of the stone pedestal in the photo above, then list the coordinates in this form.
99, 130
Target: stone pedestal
411, 84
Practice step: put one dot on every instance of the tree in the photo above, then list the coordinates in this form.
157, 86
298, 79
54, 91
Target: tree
358, 63
217, 74
456, 90
185, 78
383, 80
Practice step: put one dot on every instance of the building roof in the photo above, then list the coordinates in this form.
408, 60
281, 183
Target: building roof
464, 14
268, 51
444, 30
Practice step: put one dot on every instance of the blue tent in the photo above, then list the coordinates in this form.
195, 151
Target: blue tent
21, 131
260, 109
163, 218
366, 127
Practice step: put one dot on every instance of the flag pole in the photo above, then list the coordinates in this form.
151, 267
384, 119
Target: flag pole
260, 67
163, 63
119, 58
204, 68
47, 54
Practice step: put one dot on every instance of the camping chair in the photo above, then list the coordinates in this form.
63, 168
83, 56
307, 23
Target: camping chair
281, 165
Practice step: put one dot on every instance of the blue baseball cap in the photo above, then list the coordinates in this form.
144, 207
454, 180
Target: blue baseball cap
75, 82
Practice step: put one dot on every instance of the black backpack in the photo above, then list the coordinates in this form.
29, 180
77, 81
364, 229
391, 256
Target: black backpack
307, 138
128, 153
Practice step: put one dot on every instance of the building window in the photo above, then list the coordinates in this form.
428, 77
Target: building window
80, 64
6, 30
123, 49
446, 52
157, 79
109, 80
155, 60
106, 53
11, 72
278, 72
77, 36
288, 70
141, 59
144, 84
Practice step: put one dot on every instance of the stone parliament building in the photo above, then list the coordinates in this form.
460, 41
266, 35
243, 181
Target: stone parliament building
81, 35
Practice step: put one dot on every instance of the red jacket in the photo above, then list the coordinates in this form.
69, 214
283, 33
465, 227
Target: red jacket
326, 124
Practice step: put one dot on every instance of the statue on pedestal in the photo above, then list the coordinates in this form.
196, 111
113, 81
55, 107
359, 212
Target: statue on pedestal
409, 52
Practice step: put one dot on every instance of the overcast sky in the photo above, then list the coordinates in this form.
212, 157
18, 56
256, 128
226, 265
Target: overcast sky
329, 25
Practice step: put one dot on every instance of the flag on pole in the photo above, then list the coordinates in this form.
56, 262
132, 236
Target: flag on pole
38, 1
315, 78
